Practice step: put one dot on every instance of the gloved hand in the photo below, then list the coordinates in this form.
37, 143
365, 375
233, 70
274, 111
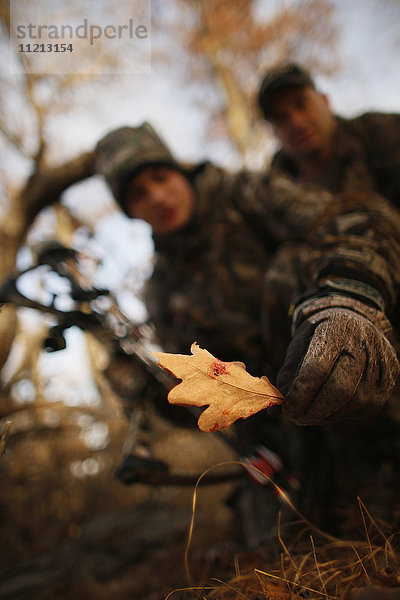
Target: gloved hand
339, 364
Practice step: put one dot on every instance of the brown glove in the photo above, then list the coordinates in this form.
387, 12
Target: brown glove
339, 364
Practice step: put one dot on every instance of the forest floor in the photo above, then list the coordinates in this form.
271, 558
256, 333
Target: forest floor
143, 548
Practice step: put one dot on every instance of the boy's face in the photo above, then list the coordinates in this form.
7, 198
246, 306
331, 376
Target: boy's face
162, 196
302, 120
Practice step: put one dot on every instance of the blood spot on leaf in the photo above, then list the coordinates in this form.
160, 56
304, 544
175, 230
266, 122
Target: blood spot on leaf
218, 367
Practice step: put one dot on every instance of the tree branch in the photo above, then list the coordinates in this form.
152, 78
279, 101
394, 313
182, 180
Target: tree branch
45, 186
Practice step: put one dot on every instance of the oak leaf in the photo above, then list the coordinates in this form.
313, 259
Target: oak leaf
226, 387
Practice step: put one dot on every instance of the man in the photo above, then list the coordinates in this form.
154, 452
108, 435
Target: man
235, 251
317, 146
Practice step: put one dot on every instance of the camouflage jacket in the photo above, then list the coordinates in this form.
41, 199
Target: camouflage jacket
228, 279
255, 243
366, 157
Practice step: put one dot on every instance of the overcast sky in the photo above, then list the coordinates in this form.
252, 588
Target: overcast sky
369, 47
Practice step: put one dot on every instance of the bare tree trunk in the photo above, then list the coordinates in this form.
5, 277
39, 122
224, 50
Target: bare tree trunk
238, 115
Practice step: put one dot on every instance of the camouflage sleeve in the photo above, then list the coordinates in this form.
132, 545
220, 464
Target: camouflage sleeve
351, 235
360, 243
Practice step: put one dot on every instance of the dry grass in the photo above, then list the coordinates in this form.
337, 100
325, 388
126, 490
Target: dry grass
310, 569
314, 565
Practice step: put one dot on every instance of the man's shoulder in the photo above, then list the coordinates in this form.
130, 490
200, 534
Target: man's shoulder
224, 186
370, 121
379, 134
208, 178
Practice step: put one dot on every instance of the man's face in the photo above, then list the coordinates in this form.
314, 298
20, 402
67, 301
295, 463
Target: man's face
162, 196
302, 120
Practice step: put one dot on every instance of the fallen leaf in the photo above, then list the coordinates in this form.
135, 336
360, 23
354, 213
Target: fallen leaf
226, 387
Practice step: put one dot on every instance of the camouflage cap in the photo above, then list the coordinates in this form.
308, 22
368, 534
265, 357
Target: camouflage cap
125, 151
279, 77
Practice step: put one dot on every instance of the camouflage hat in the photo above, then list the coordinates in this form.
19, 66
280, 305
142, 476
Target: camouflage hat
125, 151
279, 77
